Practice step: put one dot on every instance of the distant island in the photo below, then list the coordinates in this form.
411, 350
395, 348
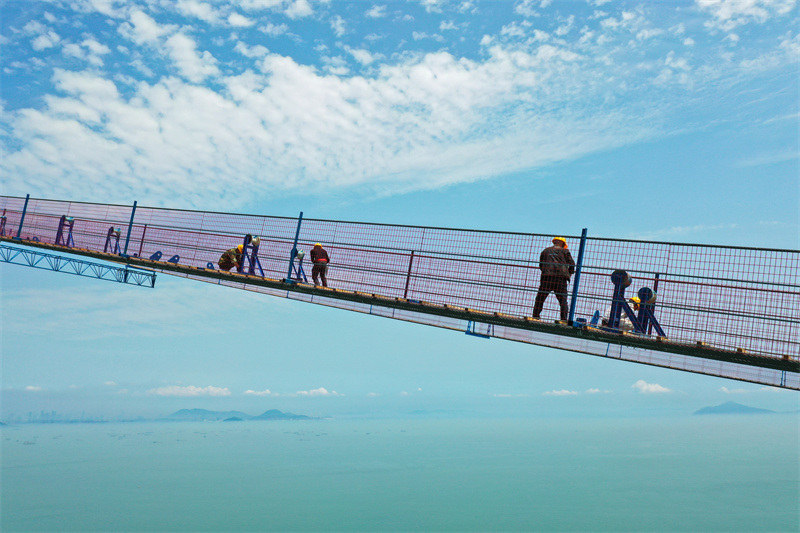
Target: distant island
204, 415
731, 408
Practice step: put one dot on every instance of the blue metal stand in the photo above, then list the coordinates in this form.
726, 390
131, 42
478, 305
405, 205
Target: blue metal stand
297, 272
293, 253
65, 223
68, 265
250, 256
112, 241
577, 279
3, 224
621, 281
647, 320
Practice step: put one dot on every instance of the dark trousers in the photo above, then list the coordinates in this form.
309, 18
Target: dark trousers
556, 284
319, 271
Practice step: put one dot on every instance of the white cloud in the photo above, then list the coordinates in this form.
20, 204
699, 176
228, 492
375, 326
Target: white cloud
526, 8
322, 391
643, 387
240, 21
597, 391
251, 51
189, 391
446, 25
338, 26
726, 390
193, 65
265, 392
143, 29
376, 11
729, 14
365, 57
299, 9
274, 30
432, 6
200, 10
562, 392
46, 40
110, 383
33, 388
373, 394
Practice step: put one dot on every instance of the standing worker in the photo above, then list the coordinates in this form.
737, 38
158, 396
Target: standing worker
231, 258
557, 266
320, 259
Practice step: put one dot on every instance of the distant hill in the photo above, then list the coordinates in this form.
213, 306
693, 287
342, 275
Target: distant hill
204, 415
731, 408
274, 414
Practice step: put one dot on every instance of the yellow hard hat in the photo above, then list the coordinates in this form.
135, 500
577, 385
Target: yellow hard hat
635, 300
562, 239
318, 244
240, 247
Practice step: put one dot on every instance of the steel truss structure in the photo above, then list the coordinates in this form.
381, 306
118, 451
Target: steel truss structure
68, 265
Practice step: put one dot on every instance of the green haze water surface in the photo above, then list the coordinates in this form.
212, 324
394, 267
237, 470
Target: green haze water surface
732, 473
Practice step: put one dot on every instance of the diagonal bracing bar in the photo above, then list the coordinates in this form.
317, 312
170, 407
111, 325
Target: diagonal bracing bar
36, 259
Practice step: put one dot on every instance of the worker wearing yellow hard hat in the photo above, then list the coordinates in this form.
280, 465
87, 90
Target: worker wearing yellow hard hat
320, 259
556, 265
232, 258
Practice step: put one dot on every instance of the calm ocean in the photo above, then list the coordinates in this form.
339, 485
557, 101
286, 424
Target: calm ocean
700, 473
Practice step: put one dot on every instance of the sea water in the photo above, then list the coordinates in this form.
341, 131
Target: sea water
731, 473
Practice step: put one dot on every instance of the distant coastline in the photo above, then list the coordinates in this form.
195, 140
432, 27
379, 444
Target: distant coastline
182, 415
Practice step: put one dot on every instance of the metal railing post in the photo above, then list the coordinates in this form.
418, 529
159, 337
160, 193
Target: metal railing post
294, 248
577, 279
408, 277
130, 225
22, 218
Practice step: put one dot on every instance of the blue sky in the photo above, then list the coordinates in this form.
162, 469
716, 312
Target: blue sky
670, 121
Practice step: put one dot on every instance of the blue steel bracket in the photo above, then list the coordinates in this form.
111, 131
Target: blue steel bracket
156, 256
65, 223
210, 265
250, 257
472, 329
647, 317
174, 259
298, 273
621, 281
78, 267
112, 240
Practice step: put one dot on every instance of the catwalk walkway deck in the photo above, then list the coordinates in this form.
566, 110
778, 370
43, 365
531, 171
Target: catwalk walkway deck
726, 311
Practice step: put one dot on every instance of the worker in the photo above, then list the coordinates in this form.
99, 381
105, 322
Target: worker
232, 258
557, 266
320, 259
625, 323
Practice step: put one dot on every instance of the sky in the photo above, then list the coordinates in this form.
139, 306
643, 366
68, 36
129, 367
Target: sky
675, 121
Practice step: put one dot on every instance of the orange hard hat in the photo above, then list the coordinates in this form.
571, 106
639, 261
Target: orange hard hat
240, 247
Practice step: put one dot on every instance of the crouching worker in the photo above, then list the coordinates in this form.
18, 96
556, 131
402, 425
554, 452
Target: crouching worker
320, 259
625, 323
231, 258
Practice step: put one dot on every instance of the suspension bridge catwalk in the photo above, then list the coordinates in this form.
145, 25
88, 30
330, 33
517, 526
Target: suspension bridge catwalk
725, 311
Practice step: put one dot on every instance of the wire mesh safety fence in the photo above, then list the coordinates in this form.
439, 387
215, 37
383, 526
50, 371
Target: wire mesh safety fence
732, 298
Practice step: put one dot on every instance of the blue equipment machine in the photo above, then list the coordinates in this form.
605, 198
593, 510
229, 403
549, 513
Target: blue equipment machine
646, 319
